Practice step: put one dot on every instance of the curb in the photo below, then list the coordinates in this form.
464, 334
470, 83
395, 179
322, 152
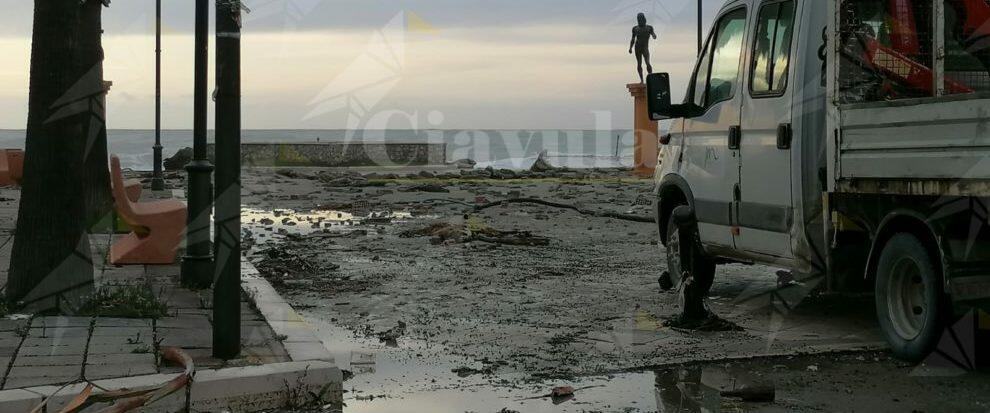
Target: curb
251, 388
299, 341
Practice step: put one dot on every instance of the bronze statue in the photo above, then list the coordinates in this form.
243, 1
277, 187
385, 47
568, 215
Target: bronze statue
641, 34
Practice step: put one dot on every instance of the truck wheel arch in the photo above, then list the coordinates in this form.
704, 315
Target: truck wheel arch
672, 191
904, 220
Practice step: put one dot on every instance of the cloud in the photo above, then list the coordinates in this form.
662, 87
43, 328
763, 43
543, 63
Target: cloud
506, 64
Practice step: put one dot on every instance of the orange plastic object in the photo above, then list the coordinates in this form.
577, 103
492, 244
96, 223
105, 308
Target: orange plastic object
157, 226
11, 167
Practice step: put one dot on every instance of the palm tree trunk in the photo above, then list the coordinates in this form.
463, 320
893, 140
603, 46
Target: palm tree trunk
99, 201
51, 252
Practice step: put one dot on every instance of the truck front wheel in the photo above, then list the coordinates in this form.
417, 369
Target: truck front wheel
909, 301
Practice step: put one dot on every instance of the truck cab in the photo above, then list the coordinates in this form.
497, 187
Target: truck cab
755, 93
756, 151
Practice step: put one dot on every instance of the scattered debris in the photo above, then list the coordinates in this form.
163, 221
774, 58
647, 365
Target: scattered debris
445, 233
391, 336
468, 371
434, 188
124, 400
602, 214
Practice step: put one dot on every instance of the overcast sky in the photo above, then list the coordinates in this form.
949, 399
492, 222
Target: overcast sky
333, 64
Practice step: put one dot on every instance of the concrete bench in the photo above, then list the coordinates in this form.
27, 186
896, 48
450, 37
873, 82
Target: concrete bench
156, 226
11, 167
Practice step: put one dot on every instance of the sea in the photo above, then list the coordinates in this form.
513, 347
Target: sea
509, 149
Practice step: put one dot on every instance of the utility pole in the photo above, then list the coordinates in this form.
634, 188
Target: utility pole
197, 264
157, 181
227, 288
700, 22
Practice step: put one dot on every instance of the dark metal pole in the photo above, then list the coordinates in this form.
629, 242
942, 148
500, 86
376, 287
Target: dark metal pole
227, 288
197, 264
157, 180
700, 22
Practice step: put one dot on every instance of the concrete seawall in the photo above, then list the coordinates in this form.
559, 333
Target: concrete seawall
341, 154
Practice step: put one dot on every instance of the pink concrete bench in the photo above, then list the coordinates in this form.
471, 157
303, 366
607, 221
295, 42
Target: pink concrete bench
157, 226
11, 167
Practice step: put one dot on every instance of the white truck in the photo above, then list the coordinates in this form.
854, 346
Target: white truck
848, 139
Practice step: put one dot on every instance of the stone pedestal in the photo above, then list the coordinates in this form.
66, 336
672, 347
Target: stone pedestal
647, 145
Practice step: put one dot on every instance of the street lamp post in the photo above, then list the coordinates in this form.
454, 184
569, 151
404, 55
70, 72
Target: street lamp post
197, 264
226, 290
700, 22
157, 180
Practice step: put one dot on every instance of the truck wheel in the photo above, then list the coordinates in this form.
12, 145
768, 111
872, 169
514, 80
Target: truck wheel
704, 269
909, 301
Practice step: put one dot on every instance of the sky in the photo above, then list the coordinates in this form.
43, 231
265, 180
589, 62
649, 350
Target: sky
385, 64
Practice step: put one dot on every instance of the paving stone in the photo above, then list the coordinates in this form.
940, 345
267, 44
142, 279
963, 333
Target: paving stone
105, 371
58, 332
199, 322
11, 325
119, 358
129, 332
61, 321
22, 382
120, 348
24, 376
184, 338
123, 322
10, 341
48, 360
8, 351
50, 350
183, 299
55, 341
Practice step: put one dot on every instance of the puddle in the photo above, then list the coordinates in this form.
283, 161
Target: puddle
267, 225
417, 376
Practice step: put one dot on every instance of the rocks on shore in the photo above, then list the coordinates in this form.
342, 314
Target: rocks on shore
542, 163
179, 160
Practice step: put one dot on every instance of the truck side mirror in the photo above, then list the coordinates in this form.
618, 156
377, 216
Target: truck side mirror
658, 100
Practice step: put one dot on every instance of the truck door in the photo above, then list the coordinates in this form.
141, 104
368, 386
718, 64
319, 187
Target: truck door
765, 209
711, 158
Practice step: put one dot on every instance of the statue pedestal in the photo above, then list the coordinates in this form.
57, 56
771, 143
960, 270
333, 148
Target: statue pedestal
647, 143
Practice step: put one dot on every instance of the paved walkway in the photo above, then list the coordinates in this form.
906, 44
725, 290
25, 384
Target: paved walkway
54, 350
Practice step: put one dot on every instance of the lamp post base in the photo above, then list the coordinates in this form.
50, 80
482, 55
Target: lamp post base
197, 271
197, 264
157, 180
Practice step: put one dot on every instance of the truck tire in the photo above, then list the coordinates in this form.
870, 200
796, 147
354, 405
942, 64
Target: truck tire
704, 269
909, 299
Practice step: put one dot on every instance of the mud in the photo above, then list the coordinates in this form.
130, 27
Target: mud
481, 326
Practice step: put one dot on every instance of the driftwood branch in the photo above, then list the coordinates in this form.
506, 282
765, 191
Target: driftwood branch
595, 213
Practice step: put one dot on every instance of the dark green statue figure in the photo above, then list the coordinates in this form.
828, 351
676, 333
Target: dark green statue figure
641, 34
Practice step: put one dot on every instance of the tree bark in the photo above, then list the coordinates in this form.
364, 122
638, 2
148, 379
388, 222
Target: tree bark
99, 201
51, 252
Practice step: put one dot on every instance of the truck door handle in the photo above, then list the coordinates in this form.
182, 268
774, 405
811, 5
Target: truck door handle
784, 136
735, 136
